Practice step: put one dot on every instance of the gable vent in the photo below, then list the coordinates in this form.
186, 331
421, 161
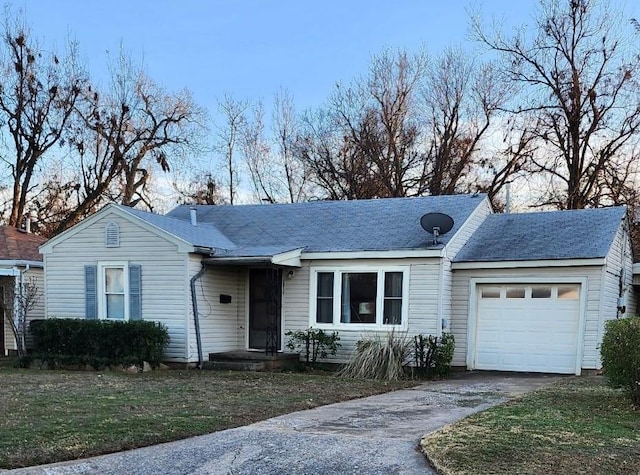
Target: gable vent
112, 235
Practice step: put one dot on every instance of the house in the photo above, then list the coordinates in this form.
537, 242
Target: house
522, 292
20, 263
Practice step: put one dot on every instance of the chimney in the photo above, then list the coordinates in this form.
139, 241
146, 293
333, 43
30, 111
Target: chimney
27, 223
194, 217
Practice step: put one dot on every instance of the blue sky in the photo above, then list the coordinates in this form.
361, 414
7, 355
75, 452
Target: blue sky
251, 48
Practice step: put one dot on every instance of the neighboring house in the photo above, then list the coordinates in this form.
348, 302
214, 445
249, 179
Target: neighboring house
20, 262
225, 278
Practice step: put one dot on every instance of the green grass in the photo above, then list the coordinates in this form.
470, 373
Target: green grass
578, 425
51, 416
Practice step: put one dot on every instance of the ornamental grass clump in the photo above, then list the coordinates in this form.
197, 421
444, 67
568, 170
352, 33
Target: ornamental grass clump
379, 356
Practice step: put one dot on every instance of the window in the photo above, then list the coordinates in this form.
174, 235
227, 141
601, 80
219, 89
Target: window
324, 304
365, 297
568, 293
114, 295
540, 292
113, 291
490, 292
392, 298
515, 292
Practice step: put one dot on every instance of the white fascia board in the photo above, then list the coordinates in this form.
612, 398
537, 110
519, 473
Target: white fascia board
636, 268
397, 254
21, 263
472, 215
528, 264
288, 259
11, 272
47, 247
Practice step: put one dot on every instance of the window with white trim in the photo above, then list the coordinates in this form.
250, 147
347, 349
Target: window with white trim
354, 297
113, 298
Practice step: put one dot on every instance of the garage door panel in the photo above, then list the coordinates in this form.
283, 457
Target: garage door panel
526, 334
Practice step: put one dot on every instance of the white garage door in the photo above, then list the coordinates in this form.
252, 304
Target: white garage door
527, 327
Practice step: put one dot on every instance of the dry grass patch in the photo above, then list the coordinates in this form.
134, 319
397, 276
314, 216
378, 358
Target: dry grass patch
50, 416
575, 426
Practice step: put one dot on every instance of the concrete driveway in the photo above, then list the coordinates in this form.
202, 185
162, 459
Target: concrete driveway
374, 435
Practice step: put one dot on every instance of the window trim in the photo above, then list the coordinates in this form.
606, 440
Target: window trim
101, 288
338, 271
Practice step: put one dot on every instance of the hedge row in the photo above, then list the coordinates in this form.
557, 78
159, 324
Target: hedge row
99, 343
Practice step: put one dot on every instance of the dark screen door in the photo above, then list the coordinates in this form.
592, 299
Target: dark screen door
265, 299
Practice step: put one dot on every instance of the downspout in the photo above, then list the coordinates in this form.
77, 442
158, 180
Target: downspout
196, 318
442, 325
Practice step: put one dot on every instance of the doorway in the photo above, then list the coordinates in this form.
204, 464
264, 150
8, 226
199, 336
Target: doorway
265, 305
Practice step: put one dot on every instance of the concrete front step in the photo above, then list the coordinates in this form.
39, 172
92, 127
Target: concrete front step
251, 361
242, 365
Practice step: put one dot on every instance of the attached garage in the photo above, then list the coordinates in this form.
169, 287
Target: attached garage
527, 327
532, 292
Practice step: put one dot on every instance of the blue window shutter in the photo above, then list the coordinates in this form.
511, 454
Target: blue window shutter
91, 292
135, 292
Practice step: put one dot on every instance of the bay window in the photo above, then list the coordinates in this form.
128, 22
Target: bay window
353, 297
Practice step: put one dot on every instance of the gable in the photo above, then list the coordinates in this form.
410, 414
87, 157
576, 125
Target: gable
102, 218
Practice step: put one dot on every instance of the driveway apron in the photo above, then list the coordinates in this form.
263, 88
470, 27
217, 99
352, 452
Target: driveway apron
373, 435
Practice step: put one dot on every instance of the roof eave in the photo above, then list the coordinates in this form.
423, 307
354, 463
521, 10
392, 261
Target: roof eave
533, 263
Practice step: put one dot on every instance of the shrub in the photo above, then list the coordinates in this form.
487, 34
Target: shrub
313, 343
382, 357
433, 355
98, 343
620, 352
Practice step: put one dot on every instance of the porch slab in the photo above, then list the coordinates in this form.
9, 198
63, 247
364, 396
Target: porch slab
243, 360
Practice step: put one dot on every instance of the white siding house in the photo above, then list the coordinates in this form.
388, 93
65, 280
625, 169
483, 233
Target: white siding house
231, 278
21, 267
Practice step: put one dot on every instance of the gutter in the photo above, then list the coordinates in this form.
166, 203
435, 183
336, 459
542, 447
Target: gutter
196, 317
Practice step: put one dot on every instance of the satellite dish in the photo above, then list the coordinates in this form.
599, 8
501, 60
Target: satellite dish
436, 224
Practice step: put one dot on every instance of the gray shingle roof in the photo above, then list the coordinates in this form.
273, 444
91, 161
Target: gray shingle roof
204, 235
578, 234
326, 226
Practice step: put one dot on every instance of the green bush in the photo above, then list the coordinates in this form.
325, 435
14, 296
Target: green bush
620, 352
313, 343
433, 355
382, 357
99, 343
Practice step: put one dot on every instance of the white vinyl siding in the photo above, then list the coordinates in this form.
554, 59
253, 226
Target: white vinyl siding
164, 275
592, 288
455, 244
423, 284
221, 324
619, 263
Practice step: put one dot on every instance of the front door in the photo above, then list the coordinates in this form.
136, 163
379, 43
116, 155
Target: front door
265, 297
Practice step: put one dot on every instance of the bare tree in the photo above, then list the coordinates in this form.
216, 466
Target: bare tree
256, 153
579, 97
366, 141
202, 189
25, 296
230, 127
286, 133
462, 98
119, 137
38, 94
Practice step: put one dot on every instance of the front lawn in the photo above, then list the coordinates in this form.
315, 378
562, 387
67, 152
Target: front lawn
50, 416
575, 426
